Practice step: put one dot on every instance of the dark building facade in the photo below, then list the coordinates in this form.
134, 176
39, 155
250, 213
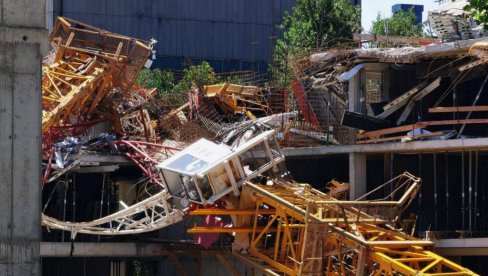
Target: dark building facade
232, 35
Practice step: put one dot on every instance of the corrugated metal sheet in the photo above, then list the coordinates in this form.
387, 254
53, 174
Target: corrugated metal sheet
239, 30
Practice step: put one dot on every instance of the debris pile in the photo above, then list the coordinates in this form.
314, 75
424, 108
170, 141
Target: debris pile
88, 91
451, 22
395, 94
96, 122
95, 118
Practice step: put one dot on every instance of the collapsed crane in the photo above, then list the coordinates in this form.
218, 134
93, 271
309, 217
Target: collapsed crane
280, 226
295, 229
234, 99
85, 65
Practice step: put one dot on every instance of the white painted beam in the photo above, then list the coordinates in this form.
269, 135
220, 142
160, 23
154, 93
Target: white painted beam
396, 147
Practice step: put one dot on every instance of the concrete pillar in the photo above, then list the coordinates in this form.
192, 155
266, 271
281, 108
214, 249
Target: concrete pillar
357, 175
22, 39
354, 93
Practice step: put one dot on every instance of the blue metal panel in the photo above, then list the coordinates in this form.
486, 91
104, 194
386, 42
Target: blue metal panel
221, 10
90, 6
180, 9
68, 7
218, 36
119, 7
175, 36
184, 37
132, 7
232, 30
261, 12
151, 9
162, 38
102, 7
170, 10
161, 8
208, 40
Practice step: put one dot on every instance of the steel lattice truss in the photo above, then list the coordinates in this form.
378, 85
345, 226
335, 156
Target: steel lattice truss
232, 99
146, 156
148, 215
152, 213
86, 64
70, 88
297, 230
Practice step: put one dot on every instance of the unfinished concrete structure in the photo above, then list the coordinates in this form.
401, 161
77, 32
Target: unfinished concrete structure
421, 109
23, 41
237, 185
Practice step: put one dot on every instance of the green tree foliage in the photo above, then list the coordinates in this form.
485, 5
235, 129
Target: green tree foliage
195, 76
162, 80
479, 11
313, 24
401, 23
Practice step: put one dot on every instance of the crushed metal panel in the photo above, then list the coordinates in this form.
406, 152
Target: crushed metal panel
361, 121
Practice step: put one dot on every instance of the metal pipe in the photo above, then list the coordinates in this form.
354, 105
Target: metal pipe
470, 192
476, 190
420, 192
462, 191
328, 121
73, 212
435, 192
447, 188
474, 103
101, 199
109, 193
65, 201
454, 103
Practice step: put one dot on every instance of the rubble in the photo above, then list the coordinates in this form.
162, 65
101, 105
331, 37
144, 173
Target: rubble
451, 22
89, 91
98, 124
388, 115
233, 99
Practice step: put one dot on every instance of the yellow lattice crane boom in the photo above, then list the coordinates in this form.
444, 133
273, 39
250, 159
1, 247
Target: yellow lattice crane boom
86, 63
289, 228
234, 98
297, 230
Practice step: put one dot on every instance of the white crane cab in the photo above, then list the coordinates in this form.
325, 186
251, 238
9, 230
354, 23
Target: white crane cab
204, 171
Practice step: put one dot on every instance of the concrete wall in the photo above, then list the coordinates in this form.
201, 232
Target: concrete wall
22, 38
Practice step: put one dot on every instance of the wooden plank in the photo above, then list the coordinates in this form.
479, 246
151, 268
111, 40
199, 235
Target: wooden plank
394, 39
377, 133
369, 141
471, 65
458, 109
